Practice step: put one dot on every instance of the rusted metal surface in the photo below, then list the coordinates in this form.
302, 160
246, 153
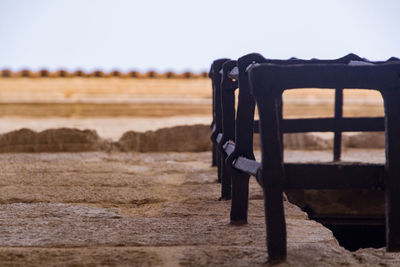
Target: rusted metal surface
268, 83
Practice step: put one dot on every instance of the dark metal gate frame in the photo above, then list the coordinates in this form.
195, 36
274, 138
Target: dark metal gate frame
239, 154
268, 83
234, 73
245, 126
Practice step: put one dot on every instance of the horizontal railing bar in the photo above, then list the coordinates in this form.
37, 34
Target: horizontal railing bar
360, 124
252, 65
337, 175
373, 124
326, 76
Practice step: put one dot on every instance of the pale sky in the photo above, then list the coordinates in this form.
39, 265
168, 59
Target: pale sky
184, 35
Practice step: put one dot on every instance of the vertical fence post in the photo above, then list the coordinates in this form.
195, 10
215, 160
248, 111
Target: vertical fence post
214, 147
271, 174
337, 141
228, 125
217, 112
392, 185
244, 131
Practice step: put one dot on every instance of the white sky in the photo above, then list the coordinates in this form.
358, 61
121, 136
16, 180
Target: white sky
187, 35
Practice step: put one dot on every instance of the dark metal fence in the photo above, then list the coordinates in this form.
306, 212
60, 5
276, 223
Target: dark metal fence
228, 75
235, 150
216, 124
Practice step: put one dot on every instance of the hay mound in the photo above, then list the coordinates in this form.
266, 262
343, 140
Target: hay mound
52, 140
190, 138
365, 140
306, 141
187, 138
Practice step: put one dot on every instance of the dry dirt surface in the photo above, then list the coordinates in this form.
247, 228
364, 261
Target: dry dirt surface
145, 209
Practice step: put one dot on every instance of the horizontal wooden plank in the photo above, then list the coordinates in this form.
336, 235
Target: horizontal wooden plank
372, 124
247, 165
335, 175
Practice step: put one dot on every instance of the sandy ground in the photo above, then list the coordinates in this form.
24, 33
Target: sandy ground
146, 210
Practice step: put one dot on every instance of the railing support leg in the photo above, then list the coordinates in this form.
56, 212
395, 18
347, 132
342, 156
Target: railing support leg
275, 224
392, 188
240, 198
225, 178
214, 157
219, 164
337, 141
271, 175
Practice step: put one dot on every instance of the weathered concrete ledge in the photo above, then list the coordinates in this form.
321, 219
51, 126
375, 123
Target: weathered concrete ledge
144, 209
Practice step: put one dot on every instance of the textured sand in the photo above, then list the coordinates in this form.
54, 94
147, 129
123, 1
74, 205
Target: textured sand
144, 210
